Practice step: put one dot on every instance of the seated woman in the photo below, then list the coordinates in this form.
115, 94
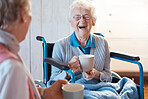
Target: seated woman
81, 41
16, 81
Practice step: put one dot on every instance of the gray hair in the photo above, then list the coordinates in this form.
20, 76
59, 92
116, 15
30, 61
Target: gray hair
85, 4
10, 11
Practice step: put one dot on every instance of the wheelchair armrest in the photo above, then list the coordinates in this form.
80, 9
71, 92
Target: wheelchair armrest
56, 63
124, 56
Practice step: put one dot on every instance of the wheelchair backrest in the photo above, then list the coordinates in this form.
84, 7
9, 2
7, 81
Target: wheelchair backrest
49, 54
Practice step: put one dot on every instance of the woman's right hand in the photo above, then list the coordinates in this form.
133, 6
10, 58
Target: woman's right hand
55, 91
74, 64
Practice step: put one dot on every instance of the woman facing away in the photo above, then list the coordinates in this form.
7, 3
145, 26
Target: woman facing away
81, 41
15, 80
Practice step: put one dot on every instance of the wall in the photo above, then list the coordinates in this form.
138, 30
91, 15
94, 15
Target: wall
124, 24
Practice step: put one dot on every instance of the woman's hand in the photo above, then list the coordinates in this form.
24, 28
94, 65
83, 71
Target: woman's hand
91, 74
55, 91
74, 64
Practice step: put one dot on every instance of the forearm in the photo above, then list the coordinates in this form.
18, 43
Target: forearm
41, 91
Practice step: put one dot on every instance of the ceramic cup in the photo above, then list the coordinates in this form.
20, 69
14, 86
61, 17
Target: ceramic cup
73, 91
87, 62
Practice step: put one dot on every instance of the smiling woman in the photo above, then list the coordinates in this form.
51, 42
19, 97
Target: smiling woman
82, 18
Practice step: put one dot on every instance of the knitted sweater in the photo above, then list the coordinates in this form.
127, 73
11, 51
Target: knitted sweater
63, 51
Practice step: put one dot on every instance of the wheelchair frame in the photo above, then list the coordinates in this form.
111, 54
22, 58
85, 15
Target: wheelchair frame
115, 55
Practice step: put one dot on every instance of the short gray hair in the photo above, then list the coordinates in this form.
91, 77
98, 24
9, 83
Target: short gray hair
10, 11
85, 4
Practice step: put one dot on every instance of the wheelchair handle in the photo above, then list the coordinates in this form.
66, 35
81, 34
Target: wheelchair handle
56, 63
39, 38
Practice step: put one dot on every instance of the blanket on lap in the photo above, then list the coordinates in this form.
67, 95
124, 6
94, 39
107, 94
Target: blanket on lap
124, 89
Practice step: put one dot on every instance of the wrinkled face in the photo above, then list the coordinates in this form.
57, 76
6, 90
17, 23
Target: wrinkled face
82, 21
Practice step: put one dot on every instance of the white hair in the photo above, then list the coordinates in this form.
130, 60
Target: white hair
84, 4
10, 11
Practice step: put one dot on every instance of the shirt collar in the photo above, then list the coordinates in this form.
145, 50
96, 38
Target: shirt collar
10, 41
74, 42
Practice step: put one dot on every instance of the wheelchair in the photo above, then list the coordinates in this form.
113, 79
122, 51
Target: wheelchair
47, 54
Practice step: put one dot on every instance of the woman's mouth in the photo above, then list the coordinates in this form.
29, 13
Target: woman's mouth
82, 27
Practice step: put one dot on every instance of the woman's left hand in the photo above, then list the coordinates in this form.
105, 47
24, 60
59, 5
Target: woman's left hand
89, 75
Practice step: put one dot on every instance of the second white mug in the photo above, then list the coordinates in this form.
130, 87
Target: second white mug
73, 91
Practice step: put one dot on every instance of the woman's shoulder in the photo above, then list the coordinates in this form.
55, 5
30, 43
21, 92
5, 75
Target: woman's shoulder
99, 40
63, 41
98, 37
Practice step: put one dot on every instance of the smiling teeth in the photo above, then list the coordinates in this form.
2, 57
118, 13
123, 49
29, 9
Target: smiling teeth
82, 27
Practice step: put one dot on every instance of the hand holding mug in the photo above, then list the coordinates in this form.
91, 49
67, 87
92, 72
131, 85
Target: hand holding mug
74, 64
89, 75
55, 91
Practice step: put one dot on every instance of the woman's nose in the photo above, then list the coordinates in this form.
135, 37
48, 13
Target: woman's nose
82, 19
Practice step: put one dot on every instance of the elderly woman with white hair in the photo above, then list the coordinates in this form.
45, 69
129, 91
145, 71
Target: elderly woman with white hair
15, 80
81, 41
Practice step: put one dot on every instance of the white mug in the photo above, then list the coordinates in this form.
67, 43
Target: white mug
73, 91
86, 62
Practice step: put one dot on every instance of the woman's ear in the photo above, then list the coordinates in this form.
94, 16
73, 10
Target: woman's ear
22, 16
